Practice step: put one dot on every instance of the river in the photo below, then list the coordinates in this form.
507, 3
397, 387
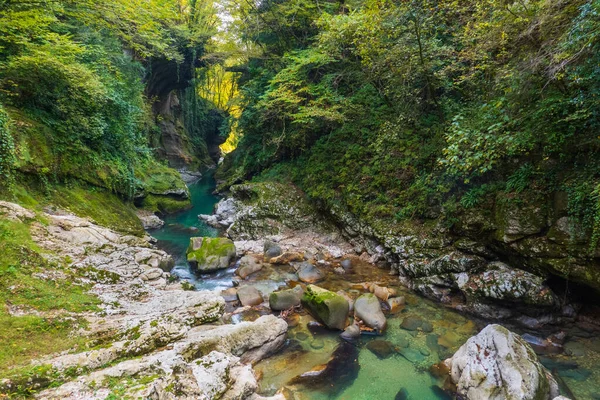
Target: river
393, 366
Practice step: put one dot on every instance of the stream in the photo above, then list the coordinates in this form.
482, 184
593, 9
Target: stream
396, 365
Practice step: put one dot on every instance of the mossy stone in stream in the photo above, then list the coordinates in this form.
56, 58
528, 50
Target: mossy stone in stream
207, 254
330, 308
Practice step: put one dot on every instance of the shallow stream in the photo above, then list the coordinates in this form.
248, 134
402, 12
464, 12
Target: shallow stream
393, 366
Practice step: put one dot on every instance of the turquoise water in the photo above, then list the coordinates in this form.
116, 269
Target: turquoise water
175, 236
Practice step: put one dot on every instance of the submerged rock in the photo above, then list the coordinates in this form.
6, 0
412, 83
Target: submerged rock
210, 254
402, 394
330, 308
381, 348
351, 333
499, 364
368, 309
285, 299
339, 372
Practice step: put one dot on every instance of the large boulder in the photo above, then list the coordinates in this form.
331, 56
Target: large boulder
501, 283
368, 309
331, 308
286, 299
498, 364
210, 254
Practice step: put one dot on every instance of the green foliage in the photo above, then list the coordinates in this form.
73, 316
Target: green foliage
7, 151
410, 109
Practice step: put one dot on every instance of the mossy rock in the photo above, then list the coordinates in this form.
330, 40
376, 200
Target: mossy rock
330, 308
164, 204
207, 254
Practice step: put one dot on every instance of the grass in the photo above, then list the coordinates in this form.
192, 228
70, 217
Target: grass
47, 324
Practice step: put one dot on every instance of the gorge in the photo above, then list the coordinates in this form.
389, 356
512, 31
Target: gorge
299, 199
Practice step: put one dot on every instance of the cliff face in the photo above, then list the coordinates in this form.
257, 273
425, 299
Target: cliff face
189, 128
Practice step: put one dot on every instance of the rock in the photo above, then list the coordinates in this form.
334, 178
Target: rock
302, 336
396, 304
248, 265
499, 282
381, 348
249, 296
427, 327
411, 323
287, 258
346, 264
152, 274
368, 309
411, 354
317, 344
449, 339
224, 214
271, 250
330, 308
341, 369
498, 364
402, 395
229, 294
308, 273
575, 349
285, 299
351, 333
150, 220
349, 299
210, 254
382, 293
516, 220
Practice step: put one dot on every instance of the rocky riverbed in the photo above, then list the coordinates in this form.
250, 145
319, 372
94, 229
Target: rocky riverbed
157, 340
306, 315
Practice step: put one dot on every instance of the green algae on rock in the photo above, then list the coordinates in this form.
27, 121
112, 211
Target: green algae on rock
331, 308
208, 254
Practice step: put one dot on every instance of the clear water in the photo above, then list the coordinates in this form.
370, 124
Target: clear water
414, 352
175, 236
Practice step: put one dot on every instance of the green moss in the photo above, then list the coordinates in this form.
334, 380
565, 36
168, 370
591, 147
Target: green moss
28, 284
165, 204
210, 250
157, 178
104, 207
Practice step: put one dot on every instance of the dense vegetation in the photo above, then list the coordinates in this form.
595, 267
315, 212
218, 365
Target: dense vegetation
75, 101
396, 109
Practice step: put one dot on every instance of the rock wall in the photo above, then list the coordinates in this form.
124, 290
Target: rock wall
513, 259
189, 128
508, 261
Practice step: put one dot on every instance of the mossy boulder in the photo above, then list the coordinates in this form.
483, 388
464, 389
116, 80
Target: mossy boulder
207, 254
285, 299
330, 308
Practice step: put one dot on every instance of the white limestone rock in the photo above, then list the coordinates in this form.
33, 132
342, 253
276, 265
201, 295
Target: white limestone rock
498, 364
